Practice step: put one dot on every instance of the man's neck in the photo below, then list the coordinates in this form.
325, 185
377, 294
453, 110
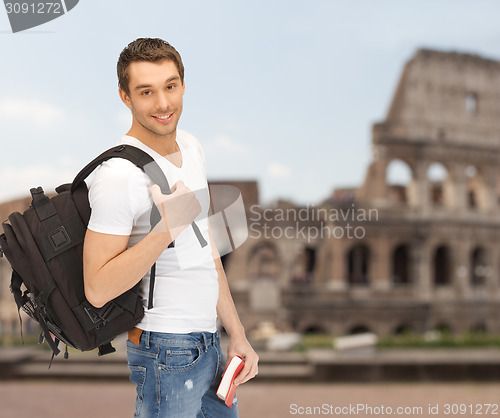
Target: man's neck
162, 144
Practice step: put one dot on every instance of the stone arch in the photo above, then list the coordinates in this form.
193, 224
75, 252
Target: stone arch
441, 265
401, 264
304, 265
314, 328
358, 329
263, 261
477, 189
443, 327
471, 103
479, 268
403, 328
399, 177
358, 265
439, 179
478, 328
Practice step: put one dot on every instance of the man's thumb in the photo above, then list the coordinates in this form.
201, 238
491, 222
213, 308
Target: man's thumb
179, 183
156, 192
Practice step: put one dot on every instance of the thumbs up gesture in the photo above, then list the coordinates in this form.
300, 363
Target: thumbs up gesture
178, 209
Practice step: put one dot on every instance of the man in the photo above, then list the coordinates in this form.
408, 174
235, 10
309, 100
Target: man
174, 353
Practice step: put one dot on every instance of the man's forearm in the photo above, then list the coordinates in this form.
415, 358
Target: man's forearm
226, 310
111, 269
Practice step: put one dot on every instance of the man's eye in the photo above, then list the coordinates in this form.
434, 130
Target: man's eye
171, 87
146, 93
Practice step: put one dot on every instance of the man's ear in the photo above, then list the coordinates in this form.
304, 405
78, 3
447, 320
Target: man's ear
125, 98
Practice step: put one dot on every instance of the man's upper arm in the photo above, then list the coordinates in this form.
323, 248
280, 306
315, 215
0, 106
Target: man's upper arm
98, 250
117, 194
112, 199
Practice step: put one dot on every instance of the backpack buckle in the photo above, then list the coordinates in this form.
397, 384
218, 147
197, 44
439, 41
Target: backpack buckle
42, 311
106, 349
96, 316
36, 191
93, 315
59, 238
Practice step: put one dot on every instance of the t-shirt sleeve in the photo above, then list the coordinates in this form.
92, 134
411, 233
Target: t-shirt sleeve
116, 196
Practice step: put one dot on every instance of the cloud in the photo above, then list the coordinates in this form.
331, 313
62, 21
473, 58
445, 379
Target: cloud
31, 111
230, 145
17, 181
276, 169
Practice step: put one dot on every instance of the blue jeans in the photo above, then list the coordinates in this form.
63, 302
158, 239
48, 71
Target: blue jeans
177, 375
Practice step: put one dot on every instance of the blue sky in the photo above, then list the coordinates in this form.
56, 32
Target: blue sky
282, 92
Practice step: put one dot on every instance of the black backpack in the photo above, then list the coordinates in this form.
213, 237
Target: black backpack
44, 246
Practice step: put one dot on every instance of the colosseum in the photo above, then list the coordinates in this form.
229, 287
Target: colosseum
413, 251
393, 256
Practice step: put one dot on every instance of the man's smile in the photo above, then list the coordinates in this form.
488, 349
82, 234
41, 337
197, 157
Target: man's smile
164, 118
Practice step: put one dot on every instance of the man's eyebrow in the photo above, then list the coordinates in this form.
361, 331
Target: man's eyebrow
145, 86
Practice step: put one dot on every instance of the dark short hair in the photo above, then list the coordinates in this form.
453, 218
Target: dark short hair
146, 49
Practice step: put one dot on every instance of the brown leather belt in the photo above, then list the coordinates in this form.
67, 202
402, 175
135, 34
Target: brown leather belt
134, 335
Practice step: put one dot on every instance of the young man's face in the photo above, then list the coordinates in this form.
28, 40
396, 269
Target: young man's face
155, 97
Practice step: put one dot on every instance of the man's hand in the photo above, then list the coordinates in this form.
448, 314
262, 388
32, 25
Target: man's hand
178, 209
239, 346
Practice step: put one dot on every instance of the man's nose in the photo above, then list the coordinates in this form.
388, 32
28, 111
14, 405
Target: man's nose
162, 101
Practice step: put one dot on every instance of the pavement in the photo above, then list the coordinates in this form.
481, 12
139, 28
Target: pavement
77, 399
91, 386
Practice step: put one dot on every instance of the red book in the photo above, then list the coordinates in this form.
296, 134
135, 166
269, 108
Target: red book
227, 388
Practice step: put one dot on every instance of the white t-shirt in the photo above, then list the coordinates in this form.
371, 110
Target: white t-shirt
186, 287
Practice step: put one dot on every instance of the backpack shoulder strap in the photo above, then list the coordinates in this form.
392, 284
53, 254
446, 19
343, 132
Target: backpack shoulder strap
133, 154
146, 163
